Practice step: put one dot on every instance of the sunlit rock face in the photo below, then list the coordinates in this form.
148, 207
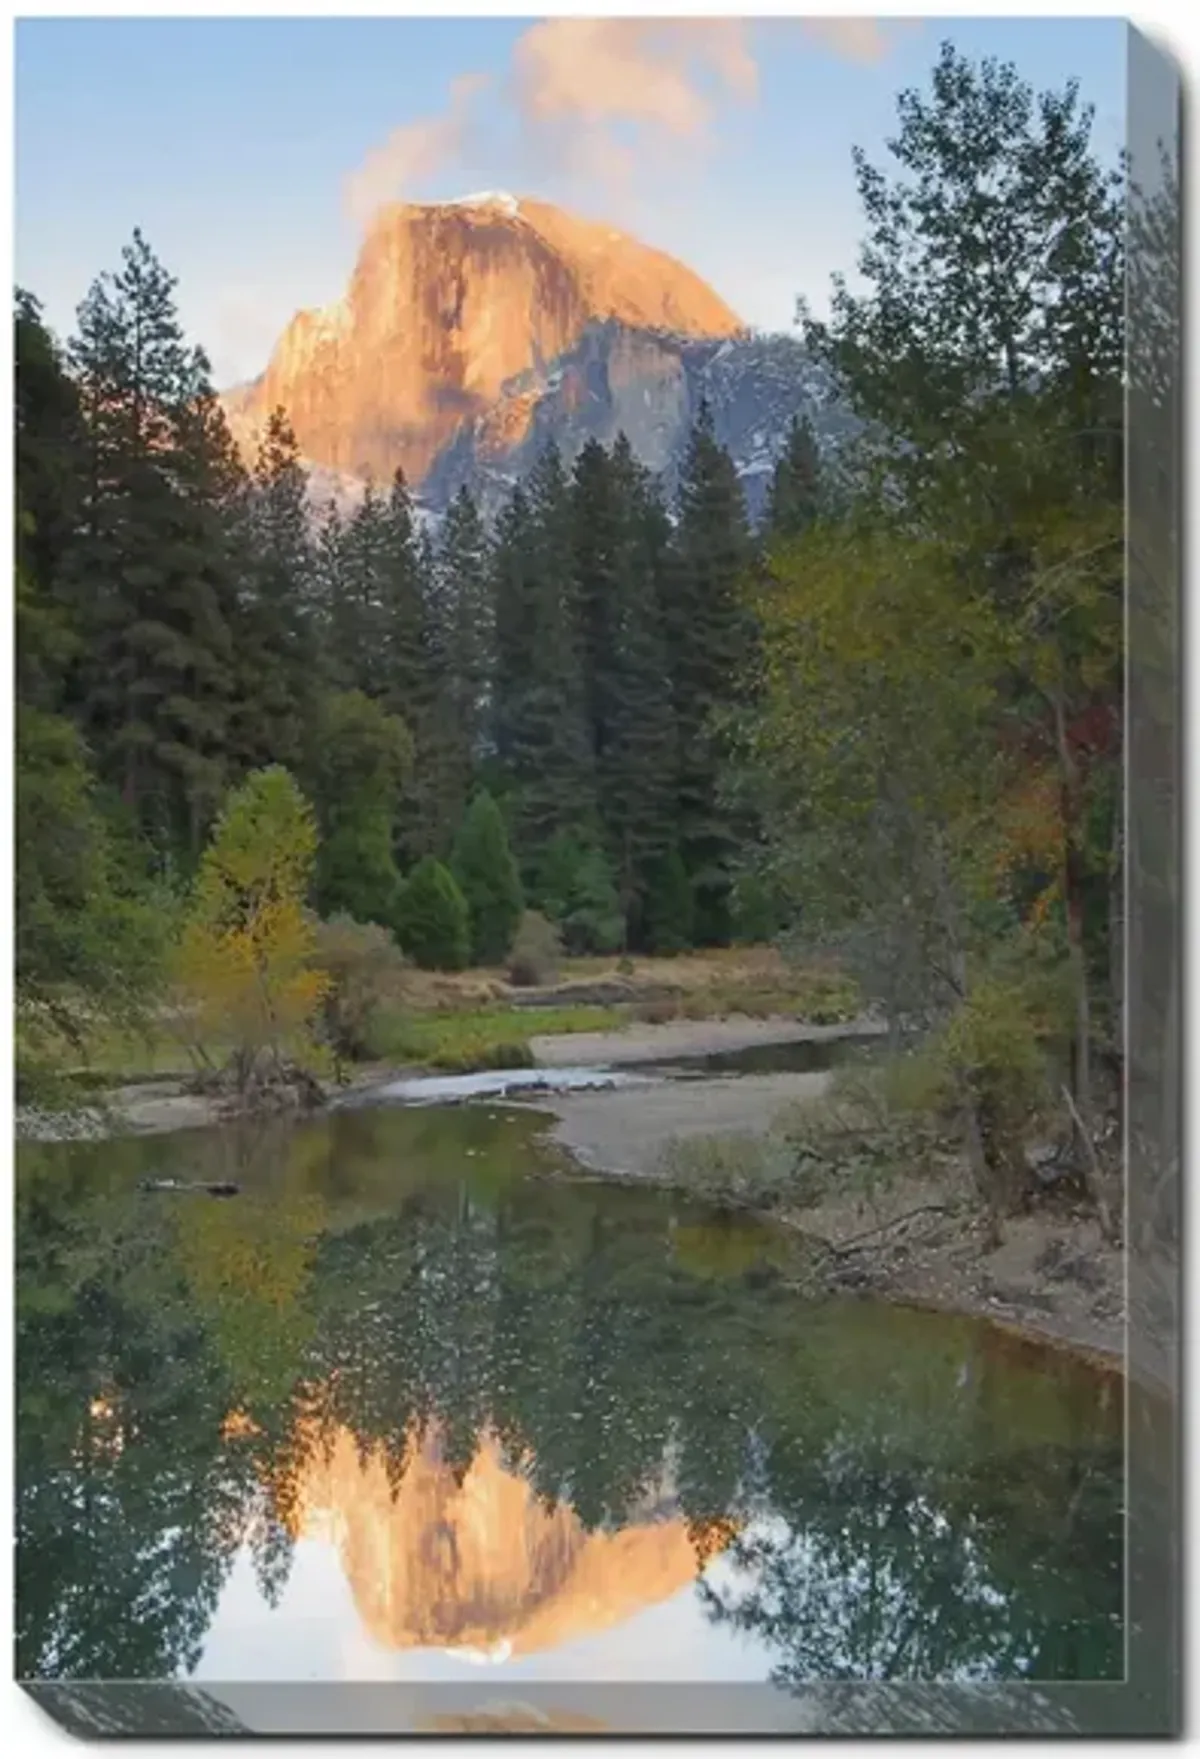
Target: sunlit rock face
480, 1567
448, 303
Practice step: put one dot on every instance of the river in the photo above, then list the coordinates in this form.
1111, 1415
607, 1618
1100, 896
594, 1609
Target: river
408, 1410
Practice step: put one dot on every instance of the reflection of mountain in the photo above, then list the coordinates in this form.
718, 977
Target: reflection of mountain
482, 1565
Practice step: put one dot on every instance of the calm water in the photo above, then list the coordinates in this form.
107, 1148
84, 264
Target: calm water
402, 1411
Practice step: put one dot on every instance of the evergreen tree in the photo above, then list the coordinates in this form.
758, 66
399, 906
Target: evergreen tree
710, 635
441, 781
484, 867
432, 919
465, 607
539, 714
637, 768
330, 598
575, 888
667, 920
349, 566
361, 759
150, 578
397, 628
277, 653
795, 496
50, 442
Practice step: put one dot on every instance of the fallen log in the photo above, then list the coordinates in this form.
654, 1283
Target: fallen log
217, 1188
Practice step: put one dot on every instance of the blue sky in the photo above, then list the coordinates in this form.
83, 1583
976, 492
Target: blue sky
239, 145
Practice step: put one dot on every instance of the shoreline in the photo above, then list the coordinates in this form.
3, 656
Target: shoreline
163, 1104
1053, 1280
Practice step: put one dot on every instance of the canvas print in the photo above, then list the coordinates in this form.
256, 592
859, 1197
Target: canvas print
585, 592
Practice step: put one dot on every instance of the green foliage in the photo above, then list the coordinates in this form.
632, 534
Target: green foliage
538, 709
667, 911
276, 657
795, 499
486, 871
432, 918
361, 758
710, 638
574, 886
536, 952
89, 933
150, 577
991, 1047
481, 1038
365, 972
621, 555
756, 912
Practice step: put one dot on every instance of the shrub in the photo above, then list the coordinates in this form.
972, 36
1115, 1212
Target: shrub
859, 1136
363, 964
733, 1170
992, 1057
484, 867
432, 920
536, 952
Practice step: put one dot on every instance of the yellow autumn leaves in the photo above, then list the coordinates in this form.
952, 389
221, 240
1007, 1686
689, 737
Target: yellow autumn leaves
245, 959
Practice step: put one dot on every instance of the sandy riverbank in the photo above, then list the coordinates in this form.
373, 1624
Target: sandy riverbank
1054, 1276
686, 1040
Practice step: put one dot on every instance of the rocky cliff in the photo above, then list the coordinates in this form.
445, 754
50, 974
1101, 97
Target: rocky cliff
449, 304
650, 385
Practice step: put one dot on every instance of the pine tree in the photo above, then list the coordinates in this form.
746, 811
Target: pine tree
361, 760
795, 496
277, 653
462, 592
349, 565
575, 888
397, 628
710, 642
50, 442
330, 599
484, 867
667, 913
539, 716
637, 771
441, 782
432, 919
150, 579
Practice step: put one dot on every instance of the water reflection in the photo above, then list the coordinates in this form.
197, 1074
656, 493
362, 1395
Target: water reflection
477, 1563
525, 1420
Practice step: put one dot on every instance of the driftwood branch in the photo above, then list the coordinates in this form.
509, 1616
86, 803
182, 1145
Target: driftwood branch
844, 1248
1093, 1176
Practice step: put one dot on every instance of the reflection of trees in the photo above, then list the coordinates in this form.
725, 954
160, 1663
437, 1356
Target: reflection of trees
932, 1576
888, 1491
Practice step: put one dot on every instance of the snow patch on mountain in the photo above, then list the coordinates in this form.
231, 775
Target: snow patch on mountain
488, 198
